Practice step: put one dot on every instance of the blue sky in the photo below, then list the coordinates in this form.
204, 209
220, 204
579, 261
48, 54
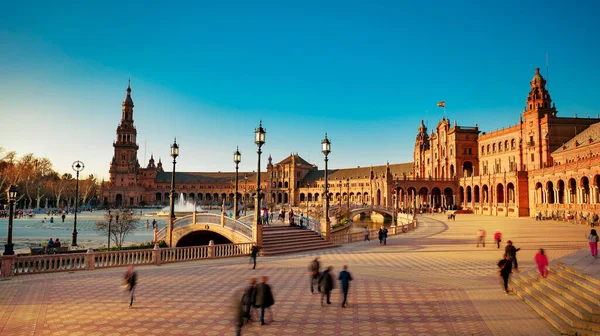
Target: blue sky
366, 72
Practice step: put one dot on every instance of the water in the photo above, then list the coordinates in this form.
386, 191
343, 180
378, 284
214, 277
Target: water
183, 205
31, 232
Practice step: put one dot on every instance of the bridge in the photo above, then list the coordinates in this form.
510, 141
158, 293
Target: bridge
360, 209
199, 228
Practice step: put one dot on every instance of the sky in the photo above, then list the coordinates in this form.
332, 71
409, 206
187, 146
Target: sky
206, 72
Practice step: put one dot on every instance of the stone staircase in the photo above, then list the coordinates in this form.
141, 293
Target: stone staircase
285, 239
568, 299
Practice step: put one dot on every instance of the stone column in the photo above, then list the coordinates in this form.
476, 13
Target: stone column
170, 231
8, 263
156, 255
90, 259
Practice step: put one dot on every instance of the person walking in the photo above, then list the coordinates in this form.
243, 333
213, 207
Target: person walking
130, 282
385, 234
253, 254
593, 241
345, 277
367, 234
63, 217
481, 237
505, 268
542, 262
511, 253
239, 310
315, 269
497, 237
247, 299
326, 285
380, 235
263, 298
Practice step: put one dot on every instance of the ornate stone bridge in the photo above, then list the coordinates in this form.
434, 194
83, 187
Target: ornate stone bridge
234, 230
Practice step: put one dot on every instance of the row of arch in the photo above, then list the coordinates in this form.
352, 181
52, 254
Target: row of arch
207, 197
579, 191
492, 194
500, 146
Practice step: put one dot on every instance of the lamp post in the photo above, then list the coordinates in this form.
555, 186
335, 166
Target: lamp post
348, 192
245, 192
259, 140
326, 149
237, 158
77, 167
12, 197
174, 155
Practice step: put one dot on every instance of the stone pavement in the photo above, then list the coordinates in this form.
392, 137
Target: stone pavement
432, 281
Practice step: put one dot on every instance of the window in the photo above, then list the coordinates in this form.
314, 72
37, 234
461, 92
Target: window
532, 157
470, 151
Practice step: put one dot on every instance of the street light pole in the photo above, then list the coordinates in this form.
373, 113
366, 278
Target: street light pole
259, 140
12, 197
237, 158
174, 155
325, 228
77, 167
245, 192
348, 192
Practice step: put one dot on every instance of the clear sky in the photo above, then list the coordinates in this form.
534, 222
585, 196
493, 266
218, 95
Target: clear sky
366, 72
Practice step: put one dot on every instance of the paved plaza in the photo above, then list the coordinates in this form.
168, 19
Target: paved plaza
432, 281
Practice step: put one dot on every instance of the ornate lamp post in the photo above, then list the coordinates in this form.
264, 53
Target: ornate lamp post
348, 192
325, 228
245, 192
259, 140
12, 197
237, 158
174, 155
77, 167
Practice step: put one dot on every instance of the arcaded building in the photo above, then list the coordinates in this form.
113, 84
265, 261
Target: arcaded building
543, 163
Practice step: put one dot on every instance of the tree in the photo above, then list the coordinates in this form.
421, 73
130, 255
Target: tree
120, 229
88, 188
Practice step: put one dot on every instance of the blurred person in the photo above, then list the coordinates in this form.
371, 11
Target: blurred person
542, 262
345, 277
326, 284
263, 298
315, 269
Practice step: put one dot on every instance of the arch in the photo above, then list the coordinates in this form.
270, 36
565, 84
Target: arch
488, 148
494, 148
513, 144
309, 197
510, 193
476, 194
485, 195
280, 184
302, 197
215, 197
316, 197
461, 195
118, 200
366, 197
469, 194
285, 198
285, 185
207, 197
506, 145
467, 169
279, 198
452, 174
550, 192
158, 197
561, 192
274, 197
572, 190
448, 196
538, 193
596, 183
500, 193
585, 190
200, 238
436, 197
482, 150
200, 197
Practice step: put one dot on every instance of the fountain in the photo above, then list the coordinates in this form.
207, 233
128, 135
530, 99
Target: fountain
182, 207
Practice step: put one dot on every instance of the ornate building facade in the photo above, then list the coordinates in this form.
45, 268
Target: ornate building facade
542, 163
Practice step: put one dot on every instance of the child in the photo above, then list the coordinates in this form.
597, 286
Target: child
542, 262
498, 237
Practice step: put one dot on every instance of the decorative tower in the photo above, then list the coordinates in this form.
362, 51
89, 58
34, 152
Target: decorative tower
421, 146
125, 165
271, 179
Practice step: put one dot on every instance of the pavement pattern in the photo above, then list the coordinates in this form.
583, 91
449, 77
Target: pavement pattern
431, 281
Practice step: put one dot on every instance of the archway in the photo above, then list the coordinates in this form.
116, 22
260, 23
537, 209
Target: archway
510, 193
550, 191
585, 185
285, 198
561, 192
302, 197
423, 197
201, 238
572, 190
461, 195
476, 194
279, 198
158, 197
485, 194
118, 200
378, 199
436, 197
469, 194
452, 174
500, 194
539, 199
467, 169
448, 197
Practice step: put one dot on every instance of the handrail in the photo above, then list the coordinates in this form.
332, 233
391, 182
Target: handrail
309, 223
232, 224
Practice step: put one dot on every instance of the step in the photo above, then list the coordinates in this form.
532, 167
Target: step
574, 304
571, 275
285, 251
552, 318
287, 237
571, 319
294, 245
574, 293
290, 234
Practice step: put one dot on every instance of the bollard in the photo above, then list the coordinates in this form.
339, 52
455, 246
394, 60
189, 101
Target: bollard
156, 254
8, 263
90, 262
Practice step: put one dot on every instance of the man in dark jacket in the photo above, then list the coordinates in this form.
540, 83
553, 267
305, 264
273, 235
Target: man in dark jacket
248, 297
345, 279
505, 268
326, 284
314, 268
263, 298
511, 253
253, 254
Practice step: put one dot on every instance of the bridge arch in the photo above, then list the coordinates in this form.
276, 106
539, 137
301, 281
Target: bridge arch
208, 225
202, 237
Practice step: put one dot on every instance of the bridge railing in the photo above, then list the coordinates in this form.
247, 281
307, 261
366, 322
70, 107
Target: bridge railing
342, 237
21, 265
309, 223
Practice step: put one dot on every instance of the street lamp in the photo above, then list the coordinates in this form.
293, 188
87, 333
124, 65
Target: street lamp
237, 158
245, 192
12, 197
326, 149
174, 155
348, 192
77, 167
259, 140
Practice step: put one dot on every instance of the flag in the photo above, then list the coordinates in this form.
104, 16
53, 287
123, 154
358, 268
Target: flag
442, 103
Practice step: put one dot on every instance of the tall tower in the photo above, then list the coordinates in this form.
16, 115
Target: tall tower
421, 146
534, 130
124, 165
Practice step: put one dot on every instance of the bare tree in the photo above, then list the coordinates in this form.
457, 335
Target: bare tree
120, 229
88, 188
